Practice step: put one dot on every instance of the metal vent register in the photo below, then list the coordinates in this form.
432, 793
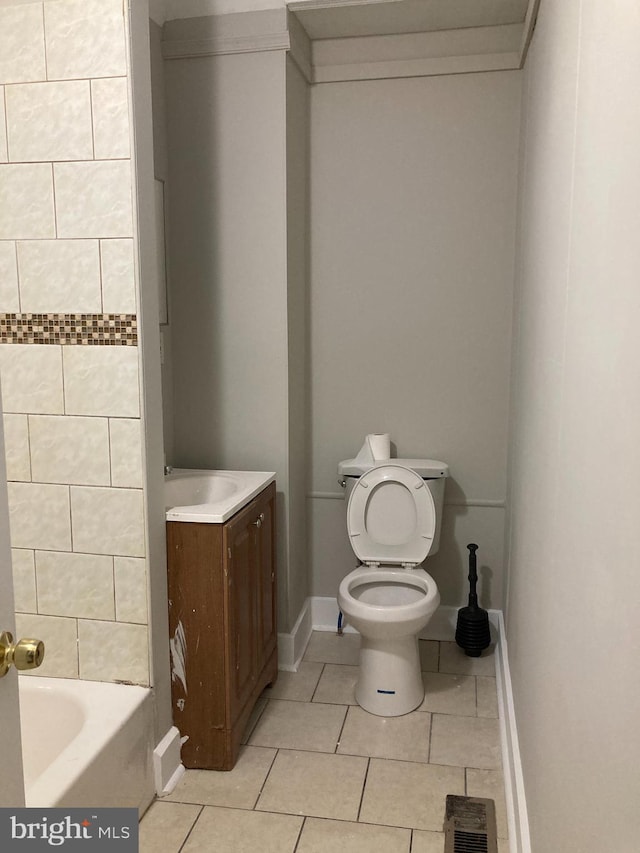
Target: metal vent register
470, 825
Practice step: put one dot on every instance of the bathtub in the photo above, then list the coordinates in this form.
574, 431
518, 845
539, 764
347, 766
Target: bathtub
86, 743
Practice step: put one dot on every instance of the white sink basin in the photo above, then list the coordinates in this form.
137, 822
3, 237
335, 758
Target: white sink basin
210, 497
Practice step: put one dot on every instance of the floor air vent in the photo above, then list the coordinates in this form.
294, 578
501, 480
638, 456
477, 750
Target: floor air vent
470, 825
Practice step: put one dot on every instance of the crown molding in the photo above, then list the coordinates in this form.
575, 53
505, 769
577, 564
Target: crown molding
300, 49
527, 32
225, 45
216, 35
460, 51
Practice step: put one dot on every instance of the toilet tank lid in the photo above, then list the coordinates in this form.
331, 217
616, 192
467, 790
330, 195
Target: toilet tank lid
428, 469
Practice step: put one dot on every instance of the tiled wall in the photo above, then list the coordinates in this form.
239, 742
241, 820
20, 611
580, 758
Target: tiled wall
68, 345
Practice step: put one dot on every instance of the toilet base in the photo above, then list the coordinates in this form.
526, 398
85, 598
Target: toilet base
390, 678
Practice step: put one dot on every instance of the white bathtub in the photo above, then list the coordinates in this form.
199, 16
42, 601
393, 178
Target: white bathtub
86, 743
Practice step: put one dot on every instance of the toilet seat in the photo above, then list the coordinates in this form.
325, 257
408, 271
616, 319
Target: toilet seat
391, 517
385, 601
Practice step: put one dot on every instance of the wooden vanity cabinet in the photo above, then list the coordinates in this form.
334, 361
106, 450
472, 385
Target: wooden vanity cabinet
222, 623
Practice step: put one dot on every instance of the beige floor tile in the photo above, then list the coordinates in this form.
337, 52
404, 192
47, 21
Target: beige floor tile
296, 686
314, 784
241, 831
337, 685
449, 694
405, 738
165, 826
237, 788
327, 647
255, 715
427, 842
487, 697
299, 725
320, 836
404, 793
429, 655
490, 784
465, 742
453, 659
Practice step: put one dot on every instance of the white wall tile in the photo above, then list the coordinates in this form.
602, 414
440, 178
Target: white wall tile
113, 651
59, 276
24, 580
118, 277
108, 521
21, 44
9, 297
101, 381
126, 452
39, 516
110, 105
26, 211
60, 638
131, 589
95, 28
3, 129
16, 447
69, 450
31, 378
49, 121
75, 585
94, 199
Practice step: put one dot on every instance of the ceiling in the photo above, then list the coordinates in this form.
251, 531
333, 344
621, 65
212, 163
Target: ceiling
330, 19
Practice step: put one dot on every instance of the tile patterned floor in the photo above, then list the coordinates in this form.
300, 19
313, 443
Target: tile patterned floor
318, 773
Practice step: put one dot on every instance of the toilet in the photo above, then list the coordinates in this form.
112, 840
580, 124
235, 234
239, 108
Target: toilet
394, 512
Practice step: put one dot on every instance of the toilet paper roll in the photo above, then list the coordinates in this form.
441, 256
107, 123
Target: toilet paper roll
380, 445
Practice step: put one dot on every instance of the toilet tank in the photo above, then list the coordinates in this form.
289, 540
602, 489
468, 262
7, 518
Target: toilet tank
433, 472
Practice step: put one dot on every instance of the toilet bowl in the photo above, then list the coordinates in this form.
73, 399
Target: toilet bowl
393, 517
388, 607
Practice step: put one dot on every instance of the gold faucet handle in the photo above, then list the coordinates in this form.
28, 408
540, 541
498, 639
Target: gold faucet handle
27, 653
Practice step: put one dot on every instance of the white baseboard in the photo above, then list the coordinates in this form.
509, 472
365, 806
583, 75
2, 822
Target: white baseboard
442, 625
517, 817
167, 767
291, 646
324, 614
320, 613
324, 617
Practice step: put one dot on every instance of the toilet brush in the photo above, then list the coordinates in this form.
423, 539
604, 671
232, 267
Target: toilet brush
472, 630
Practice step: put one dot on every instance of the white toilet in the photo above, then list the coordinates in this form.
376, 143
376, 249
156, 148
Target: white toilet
393, 519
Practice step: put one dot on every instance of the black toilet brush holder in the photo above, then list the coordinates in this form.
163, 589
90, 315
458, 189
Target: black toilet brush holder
472, 631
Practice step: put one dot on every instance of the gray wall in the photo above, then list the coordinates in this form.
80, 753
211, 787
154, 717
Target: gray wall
573, 635
228, 269
413, 202
298, 128
228, 259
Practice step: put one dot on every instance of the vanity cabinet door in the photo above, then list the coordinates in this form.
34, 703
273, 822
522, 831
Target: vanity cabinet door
250, 594
240, 607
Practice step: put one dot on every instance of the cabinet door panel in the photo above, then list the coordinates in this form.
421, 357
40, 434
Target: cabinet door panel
240, 595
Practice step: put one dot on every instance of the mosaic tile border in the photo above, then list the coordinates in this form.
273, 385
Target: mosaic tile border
79, 329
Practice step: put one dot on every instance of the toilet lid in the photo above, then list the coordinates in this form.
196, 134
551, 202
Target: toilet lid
391, 516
